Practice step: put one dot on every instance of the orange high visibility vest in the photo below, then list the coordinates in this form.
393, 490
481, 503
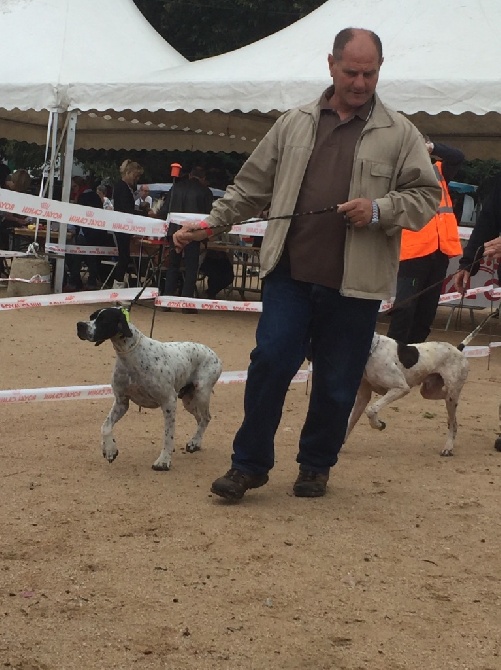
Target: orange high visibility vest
441, 232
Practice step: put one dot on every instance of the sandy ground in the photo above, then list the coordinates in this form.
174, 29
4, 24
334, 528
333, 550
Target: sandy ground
118, 566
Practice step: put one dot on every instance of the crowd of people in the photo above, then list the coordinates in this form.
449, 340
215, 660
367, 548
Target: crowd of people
179, 276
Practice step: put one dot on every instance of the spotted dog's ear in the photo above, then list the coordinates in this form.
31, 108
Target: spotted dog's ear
94, 314
123, 324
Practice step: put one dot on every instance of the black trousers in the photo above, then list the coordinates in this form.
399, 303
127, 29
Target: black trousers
411, 322
122, 266
189, 258
219, 271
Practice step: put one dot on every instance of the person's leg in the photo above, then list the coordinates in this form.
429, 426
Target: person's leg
281, 340
172, 273
191, 257
219, 272
122, 266
427, 303
341, 337
74, 265
94, 266
410, 281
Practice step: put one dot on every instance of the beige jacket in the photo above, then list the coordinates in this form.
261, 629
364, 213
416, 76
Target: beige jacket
391, 166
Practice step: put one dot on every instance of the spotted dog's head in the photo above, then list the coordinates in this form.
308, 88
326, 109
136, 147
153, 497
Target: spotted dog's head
105, 324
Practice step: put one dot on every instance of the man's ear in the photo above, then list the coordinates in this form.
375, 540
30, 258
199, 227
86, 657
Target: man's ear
123, 325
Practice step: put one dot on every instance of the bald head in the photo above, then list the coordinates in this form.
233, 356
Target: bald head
364, 39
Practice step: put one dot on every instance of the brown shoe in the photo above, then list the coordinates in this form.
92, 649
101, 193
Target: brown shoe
235, 483
310, 484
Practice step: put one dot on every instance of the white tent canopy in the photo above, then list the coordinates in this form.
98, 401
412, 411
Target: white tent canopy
48, 45
101, 47
103, 58
441, 69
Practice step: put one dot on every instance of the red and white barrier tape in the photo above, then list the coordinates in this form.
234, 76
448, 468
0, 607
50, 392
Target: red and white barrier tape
87, 217
104, 390
128, 294
65, 212
80, 250
77, 250
203, 303
78, 298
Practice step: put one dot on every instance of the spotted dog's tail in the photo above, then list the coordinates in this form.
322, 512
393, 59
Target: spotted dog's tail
474, 332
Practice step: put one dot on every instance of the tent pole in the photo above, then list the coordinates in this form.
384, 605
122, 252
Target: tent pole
67, 171
53, 150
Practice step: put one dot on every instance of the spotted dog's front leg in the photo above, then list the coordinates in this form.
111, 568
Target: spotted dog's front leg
389, 397
169, 412
120, 407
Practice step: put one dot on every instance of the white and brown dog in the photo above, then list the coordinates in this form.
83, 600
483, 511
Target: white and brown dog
153, 374
394, 368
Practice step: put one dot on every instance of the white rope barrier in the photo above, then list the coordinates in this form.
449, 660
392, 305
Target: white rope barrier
95, 392
103, 390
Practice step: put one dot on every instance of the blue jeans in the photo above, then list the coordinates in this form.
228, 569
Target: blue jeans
340, 331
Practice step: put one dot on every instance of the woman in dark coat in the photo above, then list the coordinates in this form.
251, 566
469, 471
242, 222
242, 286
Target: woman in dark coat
123, 201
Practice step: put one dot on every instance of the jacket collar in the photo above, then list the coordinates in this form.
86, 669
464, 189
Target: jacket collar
380, 117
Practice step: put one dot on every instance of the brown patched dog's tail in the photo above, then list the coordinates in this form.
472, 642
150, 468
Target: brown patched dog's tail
476, 330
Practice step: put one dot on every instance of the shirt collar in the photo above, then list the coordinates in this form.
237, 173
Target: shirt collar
363, 112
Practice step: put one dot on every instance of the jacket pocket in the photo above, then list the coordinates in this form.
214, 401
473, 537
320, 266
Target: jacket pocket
375, 179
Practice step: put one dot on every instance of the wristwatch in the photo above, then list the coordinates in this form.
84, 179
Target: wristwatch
375, 213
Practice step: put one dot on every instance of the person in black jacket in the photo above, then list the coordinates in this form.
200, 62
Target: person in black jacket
87, 237
194, 196
123, 201
485, 238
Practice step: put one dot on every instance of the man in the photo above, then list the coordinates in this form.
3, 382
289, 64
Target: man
325, 274
190, 195
424, 257
144, 200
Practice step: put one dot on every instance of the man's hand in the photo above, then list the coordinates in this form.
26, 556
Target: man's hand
492, 249
358, 212
461, 280
186, 235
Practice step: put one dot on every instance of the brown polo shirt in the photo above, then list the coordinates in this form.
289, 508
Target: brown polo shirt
315, 243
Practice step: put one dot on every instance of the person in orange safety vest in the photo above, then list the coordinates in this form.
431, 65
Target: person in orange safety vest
424, 257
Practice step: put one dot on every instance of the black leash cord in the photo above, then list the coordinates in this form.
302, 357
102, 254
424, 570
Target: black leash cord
331, 208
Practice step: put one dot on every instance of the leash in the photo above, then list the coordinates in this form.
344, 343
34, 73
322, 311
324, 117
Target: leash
324, 210
468, 268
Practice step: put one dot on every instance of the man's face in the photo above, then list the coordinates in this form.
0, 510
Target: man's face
144, 191
356, 74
